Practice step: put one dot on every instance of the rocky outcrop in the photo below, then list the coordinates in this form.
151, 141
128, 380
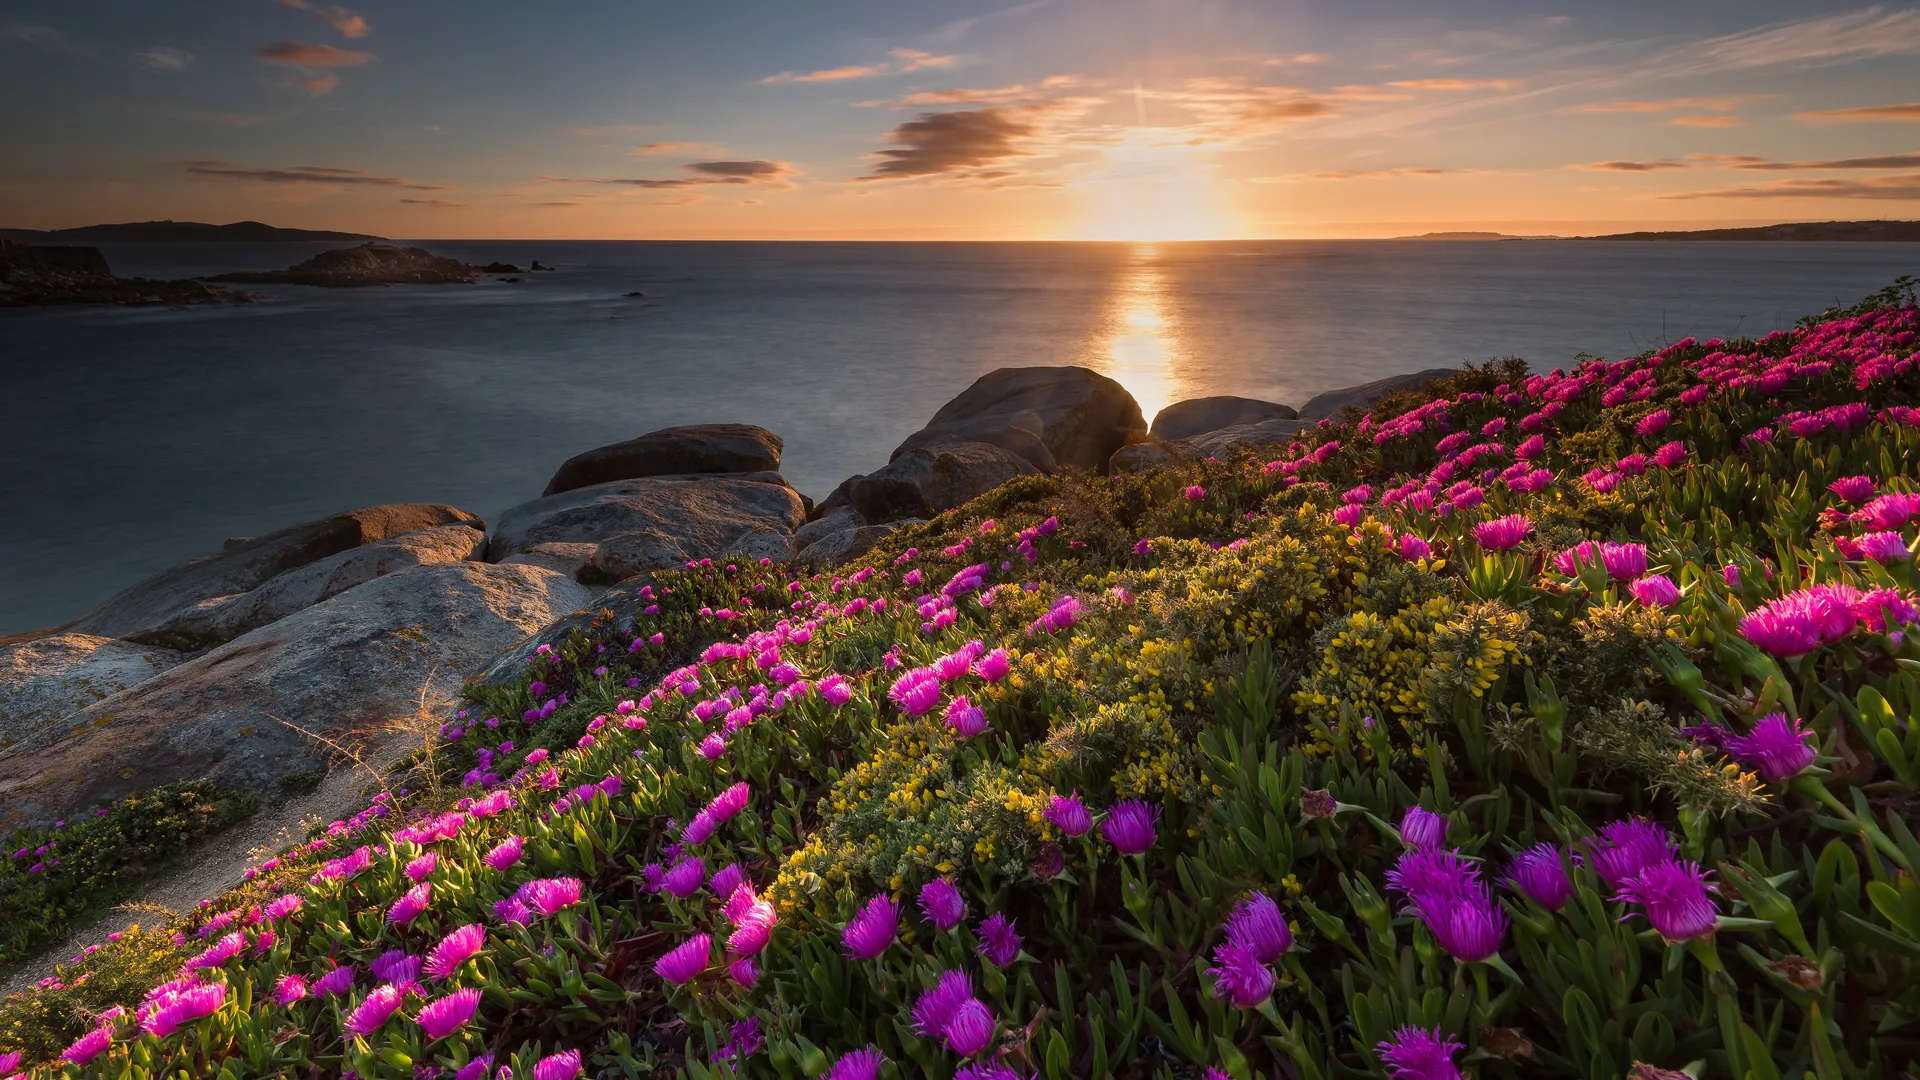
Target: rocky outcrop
245, 566
623, 556
344, 668
926, 480
1225, 442
34, 276
696, 448
1144, 456
568, 559
617, 606
219, 620
367, 264
844, 545
45, 679
1054, 417
677, 518
1196, 416
1328, 405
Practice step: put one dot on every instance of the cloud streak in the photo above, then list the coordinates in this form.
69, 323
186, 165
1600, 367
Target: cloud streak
164, 58
309, 54
1908, 111
951, 142
305, 174
903, 62
1897, 187
704, 174
350, 23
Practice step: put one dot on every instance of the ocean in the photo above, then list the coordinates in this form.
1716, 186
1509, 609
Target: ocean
139, 438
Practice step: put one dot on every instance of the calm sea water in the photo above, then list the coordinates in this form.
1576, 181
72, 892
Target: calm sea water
135, 439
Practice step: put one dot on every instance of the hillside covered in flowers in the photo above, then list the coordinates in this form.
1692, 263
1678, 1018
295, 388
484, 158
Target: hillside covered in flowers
1561, 724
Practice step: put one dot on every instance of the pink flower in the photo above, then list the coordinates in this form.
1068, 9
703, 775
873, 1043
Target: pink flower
1623, 562
1195, 493
337, 981
993, 666
458, 947
549, 896
1532, 448
167, 1014
505, 853
380, 1004
1885, 547
1670, 455
422, 868
409, 906
1653, 423
449, 1014
1413, 548
872, 930
88, 1046
965, 718
1502, 533
1655, 590
562, 1066
289, 989
685, 960
1853, 489
916, 691
685, 878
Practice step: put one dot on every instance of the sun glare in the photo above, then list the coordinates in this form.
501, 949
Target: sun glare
1152, 190
1141, 347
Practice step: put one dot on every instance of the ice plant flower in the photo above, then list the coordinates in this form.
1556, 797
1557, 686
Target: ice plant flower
1069, 815
861, 1064
916, 691
337, 981
380, 1004
1418, 1054
685, 960
726, 879
289, 989
449, 1014
993, 666
1129, 826
1540, 874
410, 905
1655, 590
564, 1065
1621, 849
505, 853
999, 941
478, 1069
1884, 547
1853, 489
1258, 926
942, 903
1422, 828
1445, 891
933, 1008
685, 878
1673, 893
396, 967
753, 920
458, 947
1502, 533
167, 1014
872, 930
970, 1029
549, 896
965, 718
1623, 562
1195, 493
1776, 748
1413, 548
422, 868
1239, 975
88, 1046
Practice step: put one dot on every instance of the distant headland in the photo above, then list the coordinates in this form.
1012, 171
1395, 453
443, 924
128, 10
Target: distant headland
1899, 232
183, 232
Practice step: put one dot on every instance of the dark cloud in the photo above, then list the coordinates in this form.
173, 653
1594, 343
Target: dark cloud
309, 54
1630, 166
1899, 187
305, 174
746, 170
1884, 161
705, 174
443, 204
936, 143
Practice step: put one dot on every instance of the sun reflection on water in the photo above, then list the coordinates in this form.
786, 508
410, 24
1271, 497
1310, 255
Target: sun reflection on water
1141, 348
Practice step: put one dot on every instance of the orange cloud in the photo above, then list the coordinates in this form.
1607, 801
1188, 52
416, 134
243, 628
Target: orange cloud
442, 204
997, 95
1708, 121
1629, 166
903, 62
1899, 187
309, 54
320, 84
1455, 84
1663, 105
349, 23
1907, 111
705, 174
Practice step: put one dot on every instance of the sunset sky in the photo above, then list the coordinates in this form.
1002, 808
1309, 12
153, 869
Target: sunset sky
942, 119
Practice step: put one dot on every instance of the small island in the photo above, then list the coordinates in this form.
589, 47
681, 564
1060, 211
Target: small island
183, 232
367, 264
45, 276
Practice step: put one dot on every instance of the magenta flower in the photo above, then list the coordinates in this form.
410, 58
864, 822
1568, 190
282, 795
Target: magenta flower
1063, 614
1584, 553
1195, 493
1531, 448
753, 920
1885, 547
862, 1064
953, 665
1417, 1054
1239, 975
337, 981
871, 931
726, 879
1422, 829
1889, 511
549, 896
685, 878
513, 911
421, 868
1502, 533
1129, 826
289, 989
932, 1009
916, 691
442, 1018
999, 941
1673, 893
745, 972
942, 903
685, 960
220, 952
1670, 455
1540, 874
477, 1069
88, 1046
381, 1003
458, 947
410, 905
1621, 849
505, 853
1853, 489
970, 1029
1655, 590
1413, 549
167, 1014
1445, 892
1258, 926
1623, 562
564, 1065
717, 813
1069, 815
396, 967
1653, 423
965, 718
1776, 748
993, 666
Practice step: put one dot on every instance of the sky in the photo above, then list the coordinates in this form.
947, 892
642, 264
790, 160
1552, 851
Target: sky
956, 120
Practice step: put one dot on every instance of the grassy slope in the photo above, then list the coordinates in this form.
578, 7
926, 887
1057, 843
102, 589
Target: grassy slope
1257, 651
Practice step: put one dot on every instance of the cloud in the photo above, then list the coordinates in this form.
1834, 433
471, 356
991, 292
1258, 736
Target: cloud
665, 147
1908, 111
305, 174
705, 174
349, 23
309, 54
951, 142
323, 83
443, 204
1630, 166
1708, 121
1897, 187
1821, 42
1882, 161
1017, 93
557, 204
1720, 104
1227, 108
37, 35
903, 62
1355, 174
1301, 58
1455, 84
164, 58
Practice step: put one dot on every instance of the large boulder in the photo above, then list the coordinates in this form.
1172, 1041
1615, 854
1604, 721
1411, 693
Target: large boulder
1226, 441
1145, 456
627, 554
244, 566
702, 516
616, 607
1196, 416
1328, 405
44, 679
848, 544
1054, 417
835, 521
346, 669
214, 622
696, 448
926, 480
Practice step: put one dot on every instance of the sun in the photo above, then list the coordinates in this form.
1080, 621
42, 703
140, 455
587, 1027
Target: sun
1152, 190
